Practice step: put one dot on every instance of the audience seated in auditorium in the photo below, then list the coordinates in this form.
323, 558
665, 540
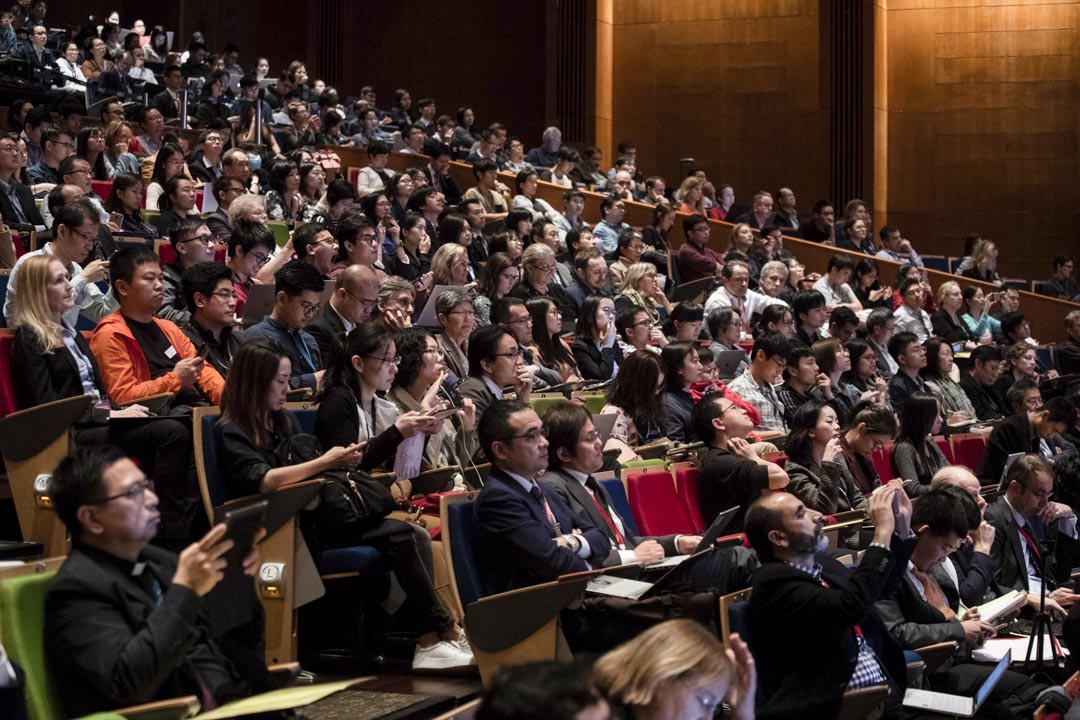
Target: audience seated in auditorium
804, 381
525, 532
17, 206
193, 243
1023, 520
808, 306
1061, 284
538, 279
590, 276
128, 621
252, 426
870, 428
855, 210
916, 457
910, 356
978, 383
355, 294
595, 349
756, 385
867, 289
494, 363
639, 414
806, 604
611, 226
946, 322
57, 143
1067, 353
297, 288
918, 613
731, 474
820, 228
956, 407
819, 474
210, 296
695, 259
512, 314
734, 293
760, 213
677, 669
895, 247
726, 329
1028, 432
834, 287
177, 202
549, 689
574, 454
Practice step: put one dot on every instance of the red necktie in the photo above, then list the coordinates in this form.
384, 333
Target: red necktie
604, 514
1036, 555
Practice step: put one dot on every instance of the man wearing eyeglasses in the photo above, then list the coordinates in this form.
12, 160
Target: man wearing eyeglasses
75, 230
316, 246
41, 60
210, 296
129, 622
56, 144
356, 291
193, 243
525, 533
297, 288
1024, 518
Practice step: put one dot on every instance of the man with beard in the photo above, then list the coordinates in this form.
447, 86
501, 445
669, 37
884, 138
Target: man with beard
815, 628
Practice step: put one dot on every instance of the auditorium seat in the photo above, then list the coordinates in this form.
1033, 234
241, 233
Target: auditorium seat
945, 447
8, 403
22, 619
621, 503
655, 504
968, 450
686, 484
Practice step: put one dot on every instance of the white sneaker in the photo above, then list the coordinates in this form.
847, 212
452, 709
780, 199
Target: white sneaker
441, 656
463, 645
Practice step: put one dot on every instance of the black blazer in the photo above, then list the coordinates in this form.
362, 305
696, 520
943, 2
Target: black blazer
29, 208
803, 634
114, 647
1008, 549
515, 542
594, 363
944, 328
337, 422
985, 400
329, 333
164, 103
1012, 435
578, 499
45, 377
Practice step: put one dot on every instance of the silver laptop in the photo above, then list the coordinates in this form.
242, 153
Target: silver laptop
958, 705
604, 424
260, 301
427, 317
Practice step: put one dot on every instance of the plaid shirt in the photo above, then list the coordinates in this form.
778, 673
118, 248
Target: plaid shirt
764, 398
867, 667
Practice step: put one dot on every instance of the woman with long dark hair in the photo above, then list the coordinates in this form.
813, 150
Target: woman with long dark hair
870, 428
92, 149
682, 368
126, 198
553, 352
168, 163
255, 424
956, 407
916, 457
634, 398
819, 476
595, 348
176, 203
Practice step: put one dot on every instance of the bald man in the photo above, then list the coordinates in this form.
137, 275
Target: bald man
355, 293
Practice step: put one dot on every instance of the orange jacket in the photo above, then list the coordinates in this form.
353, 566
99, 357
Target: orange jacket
125, 371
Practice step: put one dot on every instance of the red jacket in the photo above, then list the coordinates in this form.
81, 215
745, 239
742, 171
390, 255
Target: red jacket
124, 369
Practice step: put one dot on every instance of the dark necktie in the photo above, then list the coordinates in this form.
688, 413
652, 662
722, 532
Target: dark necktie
538, 496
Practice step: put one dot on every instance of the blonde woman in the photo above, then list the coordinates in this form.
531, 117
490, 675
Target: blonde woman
692, 196
677, 669
640, 289
740, 240
984, 263
450, 266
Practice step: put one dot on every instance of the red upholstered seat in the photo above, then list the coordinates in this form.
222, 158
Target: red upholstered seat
686, 486
8, 403
946, 449
967, 451
102, 188
655, 504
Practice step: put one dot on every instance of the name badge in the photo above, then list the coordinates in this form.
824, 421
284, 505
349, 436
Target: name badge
171, 352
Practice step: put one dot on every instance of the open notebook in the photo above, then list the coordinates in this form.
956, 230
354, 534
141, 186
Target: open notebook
958, 705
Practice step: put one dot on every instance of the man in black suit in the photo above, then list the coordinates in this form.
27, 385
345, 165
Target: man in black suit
978, 383
910, 357
525, 533
1026, 432
168, 101
1023, 518
438, 174
17, 207
355, 293
41, 60
918, 613
116, 81
128, 622
815, 630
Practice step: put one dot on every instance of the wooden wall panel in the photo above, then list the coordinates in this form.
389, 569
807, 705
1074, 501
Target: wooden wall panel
733, 84
983, 105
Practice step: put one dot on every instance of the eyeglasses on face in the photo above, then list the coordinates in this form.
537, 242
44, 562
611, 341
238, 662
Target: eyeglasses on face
309, 308
533, 436
395, 361
207, 239
135, 493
